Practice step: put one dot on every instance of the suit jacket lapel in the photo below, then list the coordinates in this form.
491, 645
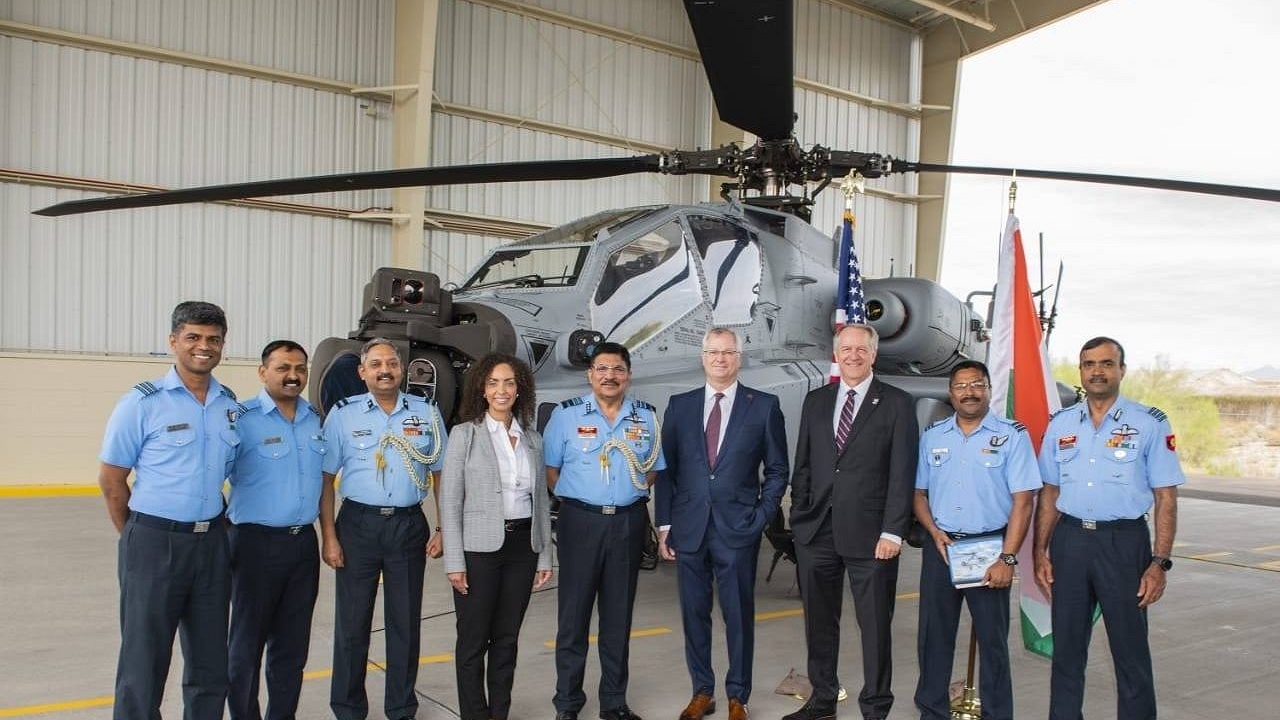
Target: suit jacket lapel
741, 406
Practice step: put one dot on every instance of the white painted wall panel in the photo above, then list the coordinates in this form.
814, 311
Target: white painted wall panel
345, 40
658, 19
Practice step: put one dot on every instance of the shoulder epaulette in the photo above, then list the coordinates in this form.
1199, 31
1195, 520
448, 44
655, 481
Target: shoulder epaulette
146, 389
1157, 413
227, 392
936, 423
646, 406
571, 402
342, 403
1059, 411
1018, 426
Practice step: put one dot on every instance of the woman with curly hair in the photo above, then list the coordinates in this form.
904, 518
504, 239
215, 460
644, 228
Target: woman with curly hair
496, 523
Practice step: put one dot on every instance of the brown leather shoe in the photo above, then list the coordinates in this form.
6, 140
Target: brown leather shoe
699, 707
738, 711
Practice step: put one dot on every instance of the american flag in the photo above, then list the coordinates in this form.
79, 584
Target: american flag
851, 306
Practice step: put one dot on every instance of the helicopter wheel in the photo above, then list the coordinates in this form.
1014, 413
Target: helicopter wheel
430, 374
340, 359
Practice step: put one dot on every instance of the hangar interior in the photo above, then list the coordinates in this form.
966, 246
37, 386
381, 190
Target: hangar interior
126, 95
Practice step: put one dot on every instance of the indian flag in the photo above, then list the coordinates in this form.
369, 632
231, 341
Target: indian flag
1022, 388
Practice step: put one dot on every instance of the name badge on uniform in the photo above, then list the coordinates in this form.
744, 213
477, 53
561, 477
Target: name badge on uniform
272, 441
179, 426
1066, 442
990, 451
587, 432
361, 433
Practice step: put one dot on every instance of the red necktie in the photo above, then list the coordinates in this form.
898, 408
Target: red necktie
713, 430
846, 421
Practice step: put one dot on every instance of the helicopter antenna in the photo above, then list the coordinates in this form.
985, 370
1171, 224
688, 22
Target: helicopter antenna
1043, 318
1053, 309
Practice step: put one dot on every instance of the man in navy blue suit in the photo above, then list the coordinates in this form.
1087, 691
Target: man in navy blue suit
713, 505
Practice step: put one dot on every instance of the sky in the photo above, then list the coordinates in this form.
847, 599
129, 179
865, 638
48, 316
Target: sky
1163, 88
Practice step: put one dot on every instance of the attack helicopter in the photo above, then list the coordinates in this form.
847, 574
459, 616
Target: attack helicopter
655, 277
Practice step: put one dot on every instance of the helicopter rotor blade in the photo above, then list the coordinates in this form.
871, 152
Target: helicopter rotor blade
587, 169
1239, 191
746, 49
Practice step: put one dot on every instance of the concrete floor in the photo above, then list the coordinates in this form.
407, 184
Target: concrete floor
1215, 635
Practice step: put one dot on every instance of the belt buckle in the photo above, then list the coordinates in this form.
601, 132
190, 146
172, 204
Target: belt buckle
295, 529
386, 511
608, 509
508, 526
200, 527
1089, 524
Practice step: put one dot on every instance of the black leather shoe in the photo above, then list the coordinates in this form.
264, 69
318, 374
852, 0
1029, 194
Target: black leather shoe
622, 712
813, 711
566, 715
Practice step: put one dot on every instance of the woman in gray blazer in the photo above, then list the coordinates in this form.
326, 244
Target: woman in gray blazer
496, 524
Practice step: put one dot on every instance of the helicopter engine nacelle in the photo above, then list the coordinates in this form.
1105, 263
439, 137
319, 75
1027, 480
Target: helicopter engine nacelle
924, 330
435, 338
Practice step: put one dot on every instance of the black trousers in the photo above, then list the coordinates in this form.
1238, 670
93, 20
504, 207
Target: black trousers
599, 560
275, 576
873, 584
940, 603
172, 581
395, 547
1100, 567
489, 617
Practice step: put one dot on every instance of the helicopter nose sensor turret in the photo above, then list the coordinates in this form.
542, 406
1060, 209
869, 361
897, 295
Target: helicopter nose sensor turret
924, 330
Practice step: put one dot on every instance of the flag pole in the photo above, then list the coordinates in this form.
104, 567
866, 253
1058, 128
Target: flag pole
968, 706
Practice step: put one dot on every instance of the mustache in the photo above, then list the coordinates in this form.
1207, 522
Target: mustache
386, 376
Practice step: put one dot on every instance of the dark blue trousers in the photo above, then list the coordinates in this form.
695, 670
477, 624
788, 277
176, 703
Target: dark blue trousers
940, 603
733, 570
393, 546
599, 560
1100, 568
172, 581
275, 575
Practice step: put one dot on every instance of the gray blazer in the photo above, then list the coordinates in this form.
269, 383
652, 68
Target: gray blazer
471, 497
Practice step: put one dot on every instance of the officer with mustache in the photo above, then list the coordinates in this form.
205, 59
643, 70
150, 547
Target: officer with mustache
275, 559
389, 447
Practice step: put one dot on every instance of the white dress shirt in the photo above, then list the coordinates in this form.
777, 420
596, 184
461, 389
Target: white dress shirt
515, 475
842, 393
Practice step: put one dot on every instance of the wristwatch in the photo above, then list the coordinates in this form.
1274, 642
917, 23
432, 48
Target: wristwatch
1008, 558
1164, 562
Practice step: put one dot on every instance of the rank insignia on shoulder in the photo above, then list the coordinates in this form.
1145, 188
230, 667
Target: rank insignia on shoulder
227, 392
146, 388
936, 423
644, 405
1157, 413
342, 403
1018, 426
571, 402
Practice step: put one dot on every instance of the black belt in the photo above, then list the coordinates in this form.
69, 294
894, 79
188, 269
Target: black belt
272, 529
1103, 524
201, 526
602, 509
517, 524
385, 511
965, 536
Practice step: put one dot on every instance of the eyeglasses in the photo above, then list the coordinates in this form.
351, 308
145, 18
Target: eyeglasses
976, 385
720, 353
609, 369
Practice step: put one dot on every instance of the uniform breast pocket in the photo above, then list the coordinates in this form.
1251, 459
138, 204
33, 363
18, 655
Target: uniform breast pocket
363, 447
587, 449
318, 446
991, 459
1121, 465
230, 441
938, 458
180, 437
1064, 457
273, 450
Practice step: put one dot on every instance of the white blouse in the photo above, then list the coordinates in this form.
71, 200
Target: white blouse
515, 474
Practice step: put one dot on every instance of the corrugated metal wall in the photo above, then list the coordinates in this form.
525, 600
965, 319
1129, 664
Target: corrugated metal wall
106, 283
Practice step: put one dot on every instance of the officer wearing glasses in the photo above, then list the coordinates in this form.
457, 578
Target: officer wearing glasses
603, 451
974, 485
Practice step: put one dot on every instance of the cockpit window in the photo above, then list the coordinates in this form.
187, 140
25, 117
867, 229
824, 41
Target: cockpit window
553, 258
645, 286
731, 262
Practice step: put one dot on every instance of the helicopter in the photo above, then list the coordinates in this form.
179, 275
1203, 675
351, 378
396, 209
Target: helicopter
655, 277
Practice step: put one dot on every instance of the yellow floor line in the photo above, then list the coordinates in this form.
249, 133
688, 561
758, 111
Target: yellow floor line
1266, 548
643, 632
106, 700
48, 491
1211, 555
1271, 565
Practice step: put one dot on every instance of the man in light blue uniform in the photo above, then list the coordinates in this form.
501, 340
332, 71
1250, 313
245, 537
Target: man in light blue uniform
603, 451
388, 446
974, 482
1104, 462
178, 435
275, 559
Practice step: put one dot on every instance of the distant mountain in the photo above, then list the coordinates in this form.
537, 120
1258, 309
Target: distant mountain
1267, 374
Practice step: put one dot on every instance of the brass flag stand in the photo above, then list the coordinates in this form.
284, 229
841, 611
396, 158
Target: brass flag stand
968, 706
